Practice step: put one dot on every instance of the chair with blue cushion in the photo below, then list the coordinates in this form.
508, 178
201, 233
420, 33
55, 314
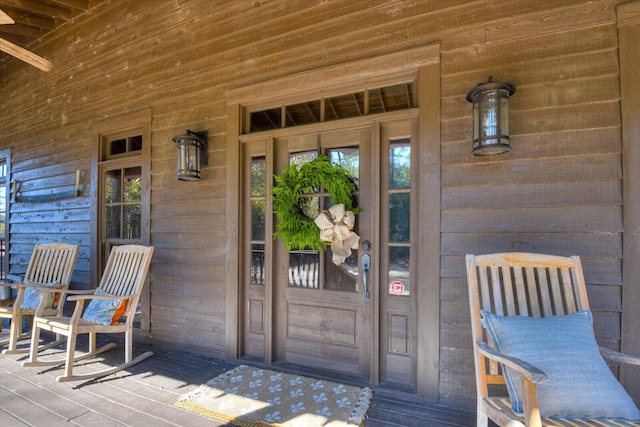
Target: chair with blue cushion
110, 309
532, 332
51, 265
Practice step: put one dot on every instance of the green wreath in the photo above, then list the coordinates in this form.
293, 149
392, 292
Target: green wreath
298, 230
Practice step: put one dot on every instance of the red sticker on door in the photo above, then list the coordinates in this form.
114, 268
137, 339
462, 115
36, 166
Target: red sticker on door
396, 288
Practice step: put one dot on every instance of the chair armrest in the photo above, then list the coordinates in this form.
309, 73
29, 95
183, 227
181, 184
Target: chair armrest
527, 370
40, 289
81, 291
37, 286
93, 296
619, 357
71, 293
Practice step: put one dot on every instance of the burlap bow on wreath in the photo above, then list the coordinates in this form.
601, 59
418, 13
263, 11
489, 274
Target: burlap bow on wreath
336, 226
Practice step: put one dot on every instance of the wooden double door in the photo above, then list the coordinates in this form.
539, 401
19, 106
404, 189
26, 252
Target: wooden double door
303, 309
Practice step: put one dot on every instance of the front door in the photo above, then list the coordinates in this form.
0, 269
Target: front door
323, 319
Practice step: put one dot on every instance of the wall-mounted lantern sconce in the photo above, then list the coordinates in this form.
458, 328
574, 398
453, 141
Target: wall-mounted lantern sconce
191, 155
491, 117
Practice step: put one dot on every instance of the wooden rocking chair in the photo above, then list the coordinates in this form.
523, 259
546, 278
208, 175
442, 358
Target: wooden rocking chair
537, 328
116, 297
51, 264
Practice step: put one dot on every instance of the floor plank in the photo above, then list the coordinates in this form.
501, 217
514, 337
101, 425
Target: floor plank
144, 395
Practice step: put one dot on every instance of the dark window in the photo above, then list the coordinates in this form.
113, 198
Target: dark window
371, 101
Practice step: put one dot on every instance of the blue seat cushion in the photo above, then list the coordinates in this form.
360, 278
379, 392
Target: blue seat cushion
563, 347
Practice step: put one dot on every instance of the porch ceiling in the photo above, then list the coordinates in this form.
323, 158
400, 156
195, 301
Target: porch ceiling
35, 19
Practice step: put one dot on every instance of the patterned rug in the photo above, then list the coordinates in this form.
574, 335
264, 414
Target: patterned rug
249, 397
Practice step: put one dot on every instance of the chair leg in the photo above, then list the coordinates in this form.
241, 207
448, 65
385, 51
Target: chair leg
71, 349
128, 346
35, 339
482, 418
93, 340
15, 331
16, 334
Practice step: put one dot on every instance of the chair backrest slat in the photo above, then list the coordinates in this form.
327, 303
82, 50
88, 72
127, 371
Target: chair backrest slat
532, 292
545, 296
509, 296
521, 291
558, 307
570, 296
496, 291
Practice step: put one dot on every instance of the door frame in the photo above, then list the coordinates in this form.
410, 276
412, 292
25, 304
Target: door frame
422, 65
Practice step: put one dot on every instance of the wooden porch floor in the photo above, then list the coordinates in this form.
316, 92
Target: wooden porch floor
145, 394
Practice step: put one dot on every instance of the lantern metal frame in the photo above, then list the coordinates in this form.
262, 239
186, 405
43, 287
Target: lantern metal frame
491, 117
191, 155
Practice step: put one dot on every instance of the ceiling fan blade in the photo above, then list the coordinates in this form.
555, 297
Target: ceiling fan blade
25, 55
5, 19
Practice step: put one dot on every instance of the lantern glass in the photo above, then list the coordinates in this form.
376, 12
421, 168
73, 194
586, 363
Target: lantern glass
491, 117
189, 153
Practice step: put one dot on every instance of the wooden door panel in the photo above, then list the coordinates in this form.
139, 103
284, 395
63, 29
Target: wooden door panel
331, 325
323, 355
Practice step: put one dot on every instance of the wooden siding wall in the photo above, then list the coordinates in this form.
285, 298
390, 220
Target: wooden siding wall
558, 191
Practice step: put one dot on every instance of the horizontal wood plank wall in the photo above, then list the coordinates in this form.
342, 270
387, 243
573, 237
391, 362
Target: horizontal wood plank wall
558, 191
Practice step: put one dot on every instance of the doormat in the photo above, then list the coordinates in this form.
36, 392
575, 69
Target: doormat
248, 397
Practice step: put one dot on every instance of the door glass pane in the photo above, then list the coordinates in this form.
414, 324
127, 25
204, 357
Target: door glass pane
349, 159
304, 265
133, 184
131, 222
343, 277
304, 269
399, 270
257, 264
257, 203
112, 219
302, 157
258, 208
258, 176
112, 186
399, 164
399, 212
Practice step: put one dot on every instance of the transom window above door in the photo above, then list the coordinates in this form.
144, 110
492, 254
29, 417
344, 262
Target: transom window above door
363, 103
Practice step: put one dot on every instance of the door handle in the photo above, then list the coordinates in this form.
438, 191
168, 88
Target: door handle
366, 266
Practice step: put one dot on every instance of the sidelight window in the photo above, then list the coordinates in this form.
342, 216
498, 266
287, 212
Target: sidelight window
258, 197
399, 199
